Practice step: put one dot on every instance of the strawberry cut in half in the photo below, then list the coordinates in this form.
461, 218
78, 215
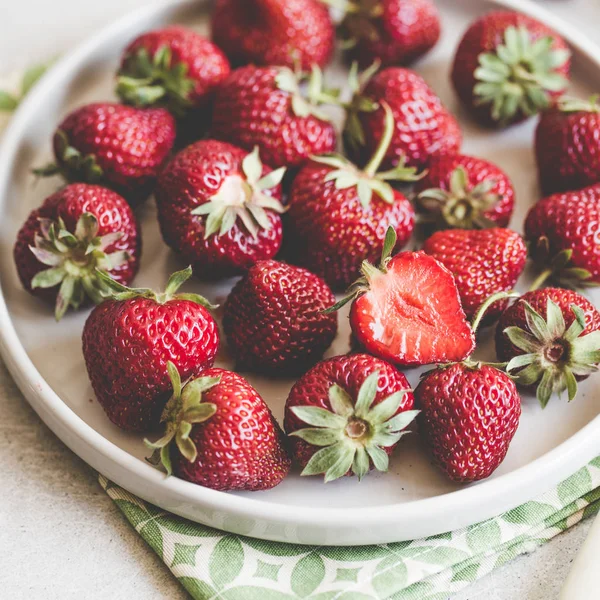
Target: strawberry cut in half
408, 310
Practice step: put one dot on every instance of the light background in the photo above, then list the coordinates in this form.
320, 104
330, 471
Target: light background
61, 538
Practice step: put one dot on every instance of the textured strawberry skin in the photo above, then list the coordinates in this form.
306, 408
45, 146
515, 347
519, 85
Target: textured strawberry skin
126, 346
484, 35
113, 215
349, 372
478, 170
274, 32
190, 179
207, 65
241, 447
254, 112
468, 419
274, 321
570, 220
514, 315
331, 234
131, 145
424, 128
483, 262
566, 148
406, 30
412, 315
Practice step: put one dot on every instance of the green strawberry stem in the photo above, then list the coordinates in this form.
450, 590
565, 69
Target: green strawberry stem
384, 144
554, 355
176, 280
353, 435
244, 199
499, 296
519, 75
541, 279
569, 104
183, 410
77, 261
146, 80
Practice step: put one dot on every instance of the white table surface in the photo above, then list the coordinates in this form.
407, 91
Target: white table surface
60, 535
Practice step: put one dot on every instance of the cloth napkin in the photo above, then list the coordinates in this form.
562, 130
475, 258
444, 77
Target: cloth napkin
214, 564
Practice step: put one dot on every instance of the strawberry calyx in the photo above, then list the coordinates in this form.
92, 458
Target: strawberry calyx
72, 164
519, 75
176, 280
183, 410
353, 435
370, 180
570, 104
354, 134
359, 20
306, 100
557, 267
145, 80
554, 354
75, 260
461, 206
369, 273
244, 198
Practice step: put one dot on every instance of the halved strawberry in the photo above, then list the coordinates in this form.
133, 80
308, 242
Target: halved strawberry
408, 310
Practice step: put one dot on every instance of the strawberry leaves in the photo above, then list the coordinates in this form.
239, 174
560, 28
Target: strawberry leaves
352, 435
243, 198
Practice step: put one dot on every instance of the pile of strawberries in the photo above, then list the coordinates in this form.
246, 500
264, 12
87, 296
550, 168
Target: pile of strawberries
234, 139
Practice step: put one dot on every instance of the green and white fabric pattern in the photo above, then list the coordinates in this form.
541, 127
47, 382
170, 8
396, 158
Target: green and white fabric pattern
214, 564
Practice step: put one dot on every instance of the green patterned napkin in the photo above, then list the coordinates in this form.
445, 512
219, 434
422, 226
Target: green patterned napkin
214, 564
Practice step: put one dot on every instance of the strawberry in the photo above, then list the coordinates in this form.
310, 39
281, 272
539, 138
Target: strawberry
466, 192
128, 340
173, 67
77, 230
218, 208
395, 32
274, 319
552, 339
265, 107
346, 416
424, 128
120, 147
274, 32
566, 145
408, 310
220, 434
483, 262
563, 231
508, 67
338, 213
469, 415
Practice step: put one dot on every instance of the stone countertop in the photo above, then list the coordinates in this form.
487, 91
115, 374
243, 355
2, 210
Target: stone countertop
60, 535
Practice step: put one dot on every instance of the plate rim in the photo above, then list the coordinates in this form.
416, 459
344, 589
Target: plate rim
481, 501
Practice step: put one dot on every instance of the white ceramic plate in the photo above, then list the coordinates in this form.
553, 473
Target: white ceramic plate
413, 499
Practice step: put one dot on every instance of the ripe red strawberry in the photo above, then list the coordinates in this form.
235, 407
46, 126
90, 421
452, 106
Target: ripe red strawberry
274, 319
552, 339
221, 434
173, 67
566, 145
408, 310
466, 192
264, 107
424, 128
469, 415
128, 340
120, 147
508, 67
274, 32
395, 32
346, 416
218, 208
338, 214
77, 230
563, 232
483, 262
